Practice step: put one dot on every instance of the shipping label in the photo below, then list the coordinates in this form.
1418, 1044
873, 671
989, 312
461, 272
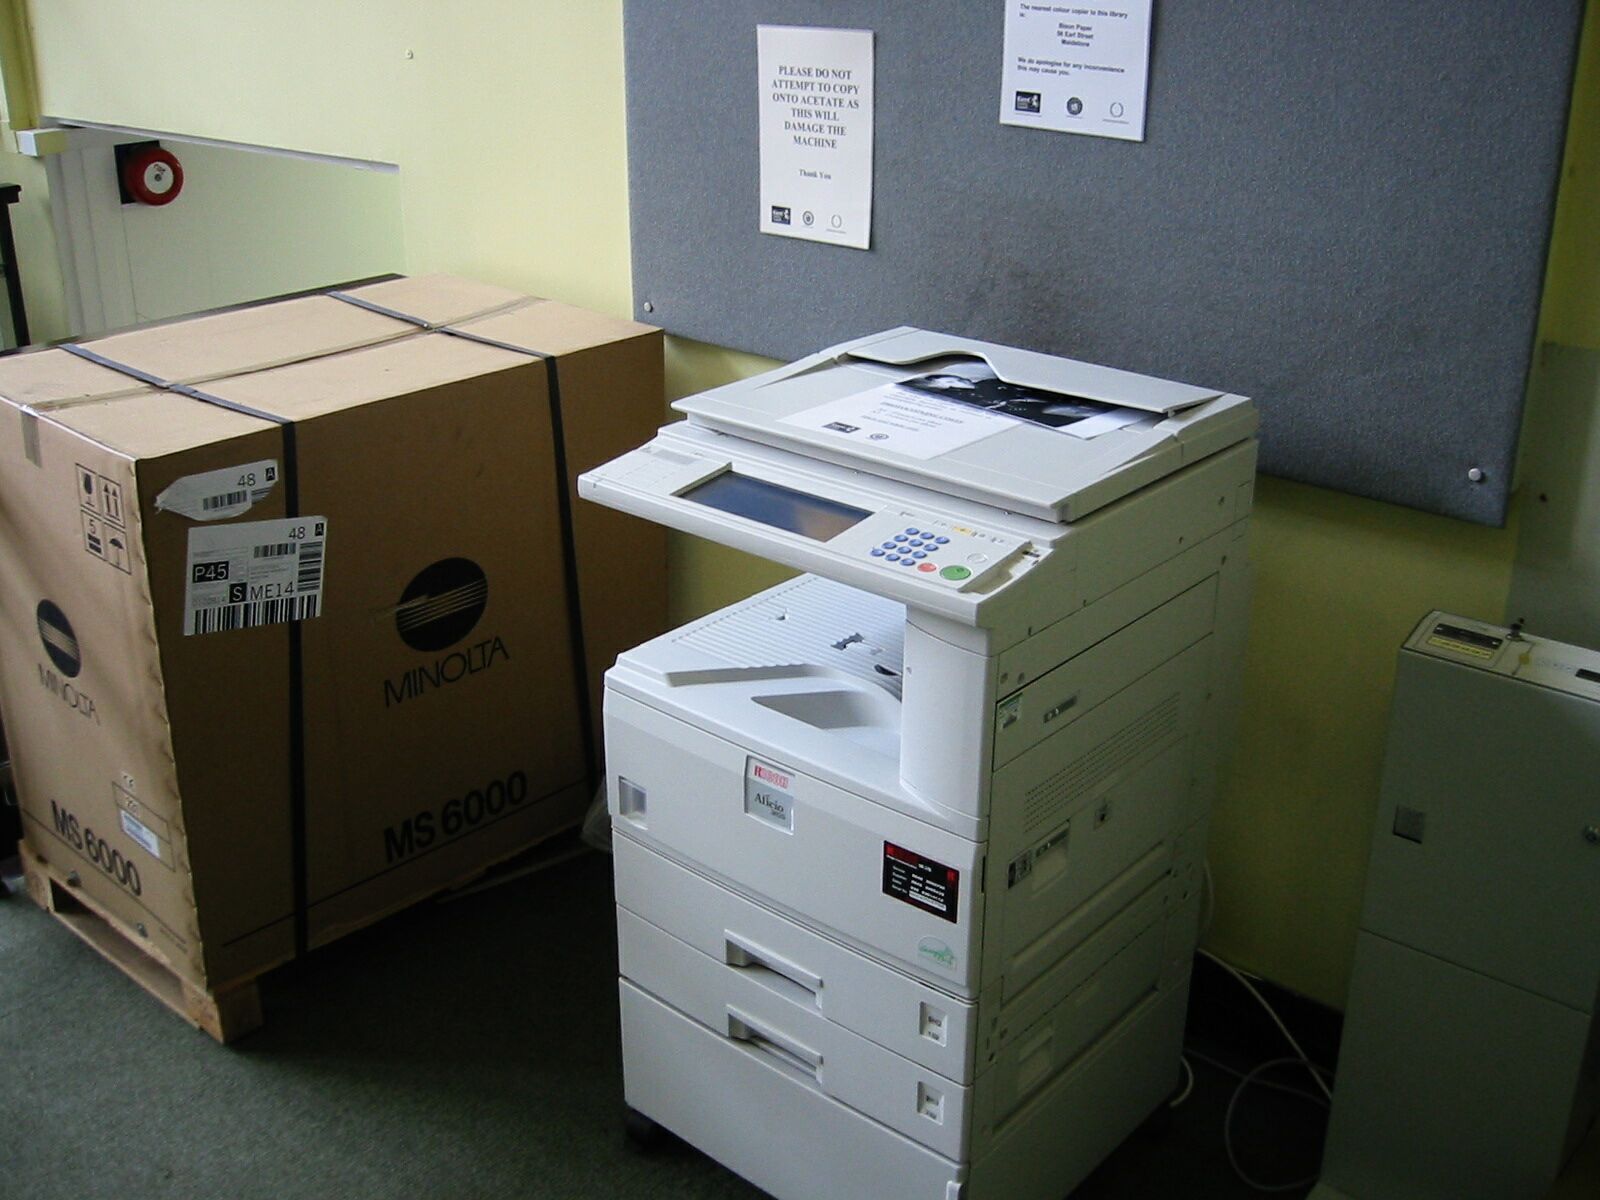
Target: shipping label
220, 495
148, 829
139, 832
254, 573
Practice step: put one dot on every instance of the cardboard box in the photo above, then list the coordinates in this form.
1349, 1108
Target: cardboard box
268, 677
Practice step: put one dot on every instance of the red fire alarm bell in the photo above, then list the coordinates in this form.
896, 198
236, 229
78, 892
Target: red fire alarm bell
152, 175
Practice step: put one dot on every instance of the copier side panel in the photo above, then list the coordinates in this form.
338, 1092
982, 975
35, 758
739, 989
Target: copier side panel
1045, 1149
1124, 540
1219, 732
904, 889
1036, 1055
1222, 556
1087, 821
1057, 697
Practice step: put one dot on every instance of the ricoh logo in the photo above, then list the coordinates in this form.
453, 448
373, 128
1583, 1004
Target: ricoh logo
768, 775
66, 658
438, 610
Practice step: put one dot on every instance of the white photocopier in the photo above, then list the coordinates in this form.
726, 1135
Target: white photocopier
908, 849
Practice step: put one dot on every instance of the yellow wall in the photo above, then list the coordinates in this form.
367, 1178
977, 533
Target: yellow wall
36, 249
1571, 312
508, 126
250, 225
507, 117
30, 217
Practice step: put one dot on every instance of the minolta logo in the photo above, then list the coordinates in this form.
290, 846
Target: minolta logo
61, 647
442, 604
60, 643
438, 609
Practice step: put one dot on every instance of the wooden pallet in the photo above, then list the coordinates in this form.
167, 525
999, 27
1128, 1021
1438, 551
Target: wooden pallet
226, 1014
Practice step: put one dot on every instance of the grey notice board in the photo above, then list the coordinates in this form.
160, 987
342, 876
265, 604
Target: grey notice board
1340, 209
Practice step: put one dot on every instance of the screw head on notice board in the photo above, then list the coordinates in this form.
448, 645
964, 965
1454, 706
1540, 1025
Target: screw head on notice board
1475, 474
649, 307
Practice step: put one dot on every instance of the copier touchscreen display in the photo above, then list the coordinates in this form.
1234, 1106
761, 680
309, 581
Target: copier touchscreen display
781, 507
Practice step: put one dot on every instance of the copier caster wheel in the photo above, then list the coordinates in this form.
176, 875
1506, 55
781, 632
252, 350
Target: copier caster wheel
643, 1132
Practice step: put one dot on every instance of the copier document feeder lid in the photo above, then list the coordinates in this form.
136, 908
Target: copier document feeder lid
1021, 431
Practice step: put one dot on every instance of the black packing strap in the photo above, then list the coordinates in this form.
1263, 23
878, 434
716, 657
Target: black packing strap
569, 546
181, 389
297, 732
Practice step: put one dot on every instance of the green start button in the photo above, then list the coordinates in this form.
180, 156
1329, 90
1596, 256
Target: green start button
956, 573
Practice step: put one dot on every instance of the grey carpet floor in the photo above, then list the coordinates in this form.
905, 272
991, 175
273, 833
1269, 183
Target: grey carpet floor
459, 1050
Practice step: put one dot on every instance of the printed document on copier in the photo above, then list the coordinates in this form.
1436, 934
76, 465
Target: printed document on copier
934, 414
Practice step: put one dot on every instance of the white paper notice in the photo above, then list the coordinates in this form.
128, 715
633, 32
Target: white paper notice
816, 133
1078, 68
903, 419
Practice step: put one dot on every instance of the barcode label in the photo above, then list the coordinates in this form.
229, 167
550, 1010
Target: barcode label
246, 616
254, 573
219, 495
226, 500
309, 577
135, 828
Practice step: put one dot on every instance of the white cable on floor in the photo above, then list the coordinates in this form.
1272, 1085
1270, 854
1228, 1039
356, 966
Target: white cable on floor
1311, 1067
1188, 1083
1247, 1079
1233, 1105
1218, 1065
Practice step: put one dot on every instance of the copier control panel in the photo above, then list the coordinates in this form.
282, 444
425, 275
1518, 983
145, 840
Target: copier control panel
821, 518
953, 552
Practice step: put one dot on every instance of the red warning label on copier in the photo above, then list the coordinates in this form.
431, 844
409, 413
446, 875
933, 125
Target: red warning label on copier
917, 880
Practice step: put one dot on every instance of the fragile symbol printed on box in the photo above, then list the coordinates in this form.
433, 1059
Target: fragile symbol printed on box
100, 513
100, 496
254, 573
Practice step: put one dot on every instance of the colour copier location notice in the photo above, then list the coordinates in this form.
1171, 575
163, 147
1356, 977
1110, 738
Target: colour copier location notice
909, 876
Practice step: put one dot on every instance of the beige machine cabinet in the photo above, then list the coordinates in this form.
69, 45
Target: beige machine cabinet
1470, 1068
